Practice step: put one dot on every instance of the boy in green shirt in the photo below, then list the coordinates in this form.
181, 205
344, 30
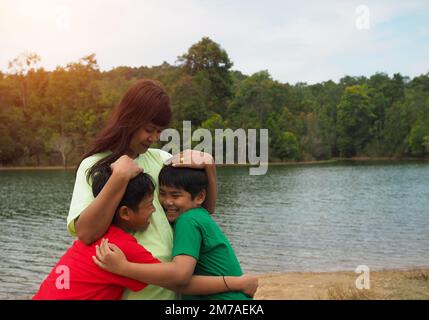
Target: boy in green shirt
199, 247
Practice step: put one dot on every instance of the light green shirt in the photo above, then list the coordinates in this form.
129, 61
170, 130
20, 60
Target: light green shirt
157, 238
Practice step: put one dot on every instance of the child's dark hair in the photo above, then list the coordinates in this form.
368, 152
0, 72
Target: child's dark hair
137, 188
191, 180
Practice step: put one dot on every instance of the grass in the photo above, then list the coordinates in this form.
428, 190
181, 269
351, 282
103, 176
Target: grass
414, 284
389, 285
418, 274
340, 293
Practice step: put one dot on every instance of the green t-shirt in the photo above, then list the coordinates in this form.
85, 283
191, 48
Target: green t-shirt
157, 238
196, 234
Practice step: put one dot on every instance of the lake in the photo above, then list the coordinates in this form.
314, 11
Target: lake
325, 217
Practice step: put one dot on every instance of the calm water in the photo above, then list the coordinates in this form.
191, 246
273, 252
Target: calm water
295, 218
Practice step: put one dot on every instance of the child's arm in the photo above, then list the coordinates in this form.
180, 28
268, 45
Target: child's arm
205, 285
176, 275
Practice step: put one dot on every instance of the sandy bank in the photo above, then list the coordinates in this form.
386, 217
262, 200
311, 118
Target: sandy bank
387, 284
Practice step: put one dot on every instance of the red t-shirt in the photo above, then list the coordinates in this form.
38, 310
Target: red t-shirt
77, 277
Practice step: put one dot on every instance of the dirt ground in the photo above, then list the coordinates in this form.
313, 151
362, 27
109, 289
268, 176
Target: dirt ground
389, 284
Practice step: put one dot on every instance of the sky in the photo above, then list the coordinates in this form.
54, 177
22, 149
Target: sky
296, 41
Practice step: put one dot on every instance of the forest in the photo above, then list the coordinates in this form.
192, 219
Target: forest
49, 118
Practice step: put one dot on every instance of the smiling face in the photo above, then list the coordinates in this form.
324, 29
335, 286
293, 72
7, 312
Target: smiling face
144, 137
176, 201
137, 220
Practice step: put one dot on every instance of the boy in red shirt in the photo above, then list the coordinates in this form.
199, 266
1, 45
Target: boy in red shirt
76, 277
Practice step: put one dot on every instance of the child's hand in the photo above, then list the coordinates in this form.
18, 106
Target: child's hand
191, 159
109, 257
250, 284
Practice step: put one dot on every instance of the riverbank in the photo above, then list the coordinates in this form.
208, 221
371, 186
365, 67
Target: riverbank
384, 285
274, 163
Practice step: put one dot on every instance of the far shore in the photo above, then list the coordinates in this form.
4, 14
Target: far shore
384, 285
274, 163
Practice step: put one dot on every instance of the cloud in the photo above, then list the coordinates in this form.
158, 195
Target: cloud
306, 41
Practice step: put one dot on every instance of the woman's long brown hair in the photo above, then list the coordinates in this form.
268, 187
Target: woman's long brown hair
145, 102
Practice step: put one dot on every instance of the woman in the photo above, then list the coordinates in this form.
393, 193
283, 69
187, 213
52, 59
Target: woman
124, 143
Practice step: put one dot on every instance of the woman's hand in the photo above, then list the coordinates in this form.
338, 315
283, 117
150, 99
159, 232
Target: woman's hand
249, 284
192, 159
109, 257
126, 167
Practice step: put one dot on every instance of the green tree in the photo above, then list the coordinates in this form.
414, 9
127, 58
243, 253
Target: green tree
412, 111
320, 121
288, 147
189, 102
19, 67
72, 113
209, 66
49, 117
417, 139
256, 98
354, 120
